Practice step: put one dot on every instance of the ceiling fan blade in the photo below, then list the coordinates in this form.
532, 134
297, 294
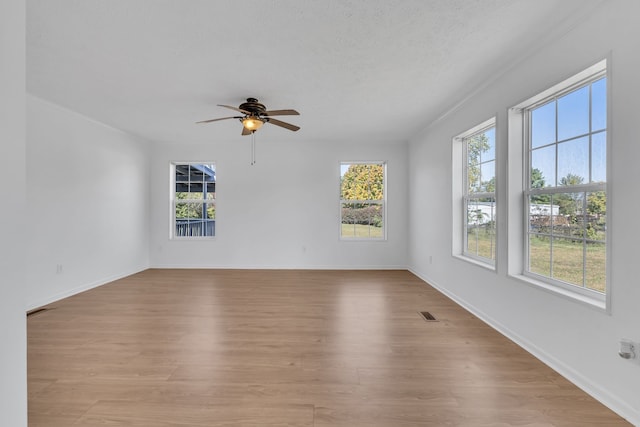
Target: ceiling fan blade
221, 118
281, 113
235, 108
282, 124
245, 131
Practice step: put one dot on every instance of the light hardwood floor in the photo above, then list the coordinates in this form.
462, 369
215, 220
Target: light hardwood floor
177, 348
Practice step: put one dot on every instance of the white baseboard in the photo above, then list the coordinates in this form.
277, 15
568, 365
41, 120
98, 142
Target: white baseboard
281, 267
76, 290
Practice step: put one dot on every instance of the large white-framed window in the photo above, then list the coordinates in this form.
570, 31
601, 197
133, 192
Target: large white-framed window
564, 186
474, 193
363, 200
193, 200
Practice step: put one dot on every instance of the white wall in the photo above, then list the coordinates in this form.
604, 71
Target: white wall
578, 341
87, 203
13, 343
283, 212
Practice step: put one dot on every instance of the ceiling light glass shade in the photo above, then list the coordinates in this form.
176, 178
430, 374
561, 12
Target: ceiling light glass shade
252, 123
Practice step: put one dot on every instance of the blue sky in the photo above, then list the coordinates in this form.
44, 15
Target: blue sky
576, 116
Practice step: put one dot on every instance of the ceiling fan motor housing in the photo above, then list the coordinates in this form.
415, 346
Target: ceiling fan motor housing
252, 105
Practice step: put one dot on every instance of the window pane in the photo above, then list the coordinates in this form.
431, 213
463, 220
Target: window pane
599, 105
543, 160
190, 210
573, 114
540, 255
570, 220
473, 178
348, 220
481, 227
599, 157
576, 235
475, 215
362, 220
376, 221
596, 215
487, 230
480, 148
362, 181
194, 219
348, 213
568, 261
573, 161
488, 177
490, 152
473, 167
210, 209
474, 218
543, 125
596, 255
541, 213
181, 210
472, 241
480, 161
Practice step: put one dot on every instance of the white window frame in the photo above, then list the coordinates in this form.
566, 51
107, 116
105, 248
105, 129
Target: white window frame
382, 202
173, 235
519, 191
461, 195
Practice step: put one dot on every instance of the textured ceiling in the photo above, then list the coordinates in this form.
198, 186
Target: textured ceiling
356, 70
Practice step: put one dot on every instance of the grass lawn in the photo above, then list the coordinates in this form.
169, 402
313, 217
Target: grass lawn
568, 259
481, 243
360, 230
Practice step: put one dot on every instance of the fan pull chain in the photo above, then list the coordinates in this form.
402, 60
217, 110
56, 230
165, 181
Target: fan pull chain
253, 148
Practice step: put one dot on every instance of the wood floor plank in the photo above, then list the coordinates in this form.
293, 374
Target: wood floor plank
178, 348
195, 415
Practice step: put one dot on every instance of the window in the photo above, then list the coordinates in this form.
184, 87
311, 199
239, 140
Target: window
565, 185
193, 201
476, 172
362, 200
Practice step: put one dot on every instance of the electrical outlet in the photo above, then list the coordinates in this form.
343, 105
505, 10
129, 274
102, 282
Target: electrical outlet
58, 268
628, 349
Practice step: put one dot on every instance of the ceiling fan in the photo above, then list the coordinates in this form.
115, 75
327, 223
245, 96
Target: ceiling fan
255, 115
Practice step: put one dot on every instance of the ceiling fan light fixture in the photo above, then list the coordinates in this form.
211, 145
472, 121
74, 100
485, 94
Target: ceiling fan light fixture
252, 123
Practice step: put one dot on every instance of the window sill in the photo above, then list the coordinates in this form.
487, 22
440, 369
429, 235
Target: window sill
477, 262
596, 301
362, 239
192, 238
